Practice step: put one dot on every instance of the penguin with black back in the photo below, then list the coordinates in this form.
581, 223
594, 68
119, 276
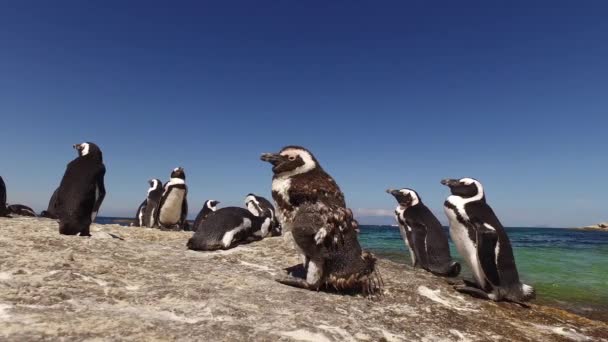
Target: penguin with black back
227, 228
146, 213
209, 207
51, 211
22, 210
173, 208
423, 234
312, 211
482, 241
260, 206
81, 191
3, 208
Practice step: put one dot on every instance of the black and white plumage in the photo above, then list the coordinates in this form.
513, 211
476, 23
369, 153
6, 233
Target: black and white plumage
482, 241
173, 207
311, 209
227, 228
423, 234
51, 211
3, 207
22, 210
260, 206
146, 213
209, 207
81, 191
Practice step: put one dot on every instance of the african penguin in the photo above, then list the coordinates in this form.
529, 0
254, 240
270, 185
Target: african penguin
3, 208
81, 191
423, 234
311, 209
482, 241
22, 210
227, 228
173, 208
259, 206
209, 207
51, 211
147, 210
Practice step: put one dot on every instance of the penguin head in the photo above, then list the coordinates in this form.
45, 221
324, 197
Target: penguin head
87, 149
211, 204
291, 161
465, 187
253, 204
178, 172
155, 184
405, 197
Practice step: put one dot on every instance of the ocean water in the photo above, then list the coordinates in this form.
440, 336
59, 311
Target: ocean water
567, 267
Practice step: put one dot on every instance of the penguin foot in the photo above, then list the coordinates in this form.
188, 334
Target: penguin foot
288, 279
472, 291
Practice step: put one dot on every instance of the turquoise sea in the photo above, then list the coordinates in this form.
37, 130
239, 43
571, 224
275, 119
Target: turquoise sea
568, 267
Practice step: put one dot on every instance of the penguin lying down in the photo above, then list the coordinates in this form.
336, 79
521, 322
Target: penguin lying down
227, 228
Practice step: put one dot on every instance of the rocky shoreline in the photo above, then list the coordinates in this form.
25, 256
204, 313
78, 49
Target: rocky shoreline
148, 286
603, 227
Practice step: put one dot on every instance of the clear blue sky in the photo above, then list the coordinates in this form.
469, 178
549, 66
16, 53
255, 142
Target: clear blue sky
386, 94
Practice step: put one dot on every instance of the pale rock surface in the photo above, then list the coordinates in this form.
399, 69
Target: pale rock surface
149, 287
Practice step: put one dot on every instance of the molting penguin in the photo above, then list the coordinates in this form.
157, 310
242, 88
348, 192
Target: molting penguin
311, 208
228, 227
483, 243
259, 206
20, 209
146, 212
81, 191
209, 207
3, 208
173, 208
51, 211
423, 234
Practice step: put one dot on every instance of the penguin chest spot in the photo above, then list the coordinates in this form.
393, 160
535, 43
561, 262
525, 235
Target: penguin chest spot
171, 211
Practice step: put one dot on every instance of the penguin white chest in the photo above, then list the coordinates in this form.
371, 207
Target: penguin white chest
281, 186
171, 211
464, 244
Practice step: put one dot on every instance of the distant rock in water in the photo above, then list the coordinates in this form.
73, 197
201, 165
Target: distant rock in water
603, 227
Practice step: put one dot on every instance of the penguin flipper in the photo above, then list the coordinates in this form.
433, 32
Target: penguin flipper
487, 239
182, 220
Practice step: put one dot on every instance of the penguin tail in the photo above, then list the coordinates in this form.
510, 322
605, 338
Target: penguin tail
528, 292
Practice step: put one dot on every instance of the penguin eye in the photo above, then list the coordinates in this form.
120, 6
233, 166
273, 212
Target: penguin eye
292, 158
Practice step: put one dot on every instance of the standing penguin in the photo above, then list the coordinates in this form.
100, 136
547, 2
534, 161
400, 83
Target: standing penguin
312, 210
228, 227
146, 212
259, 206
81, 191
51, 211
423, 234
209, 207
3, 208
173, 208
483, 243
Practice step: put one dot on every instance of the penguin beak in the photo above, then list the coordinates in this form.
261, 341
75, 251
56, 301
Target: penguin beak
392, 192
272, 158
450, 182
